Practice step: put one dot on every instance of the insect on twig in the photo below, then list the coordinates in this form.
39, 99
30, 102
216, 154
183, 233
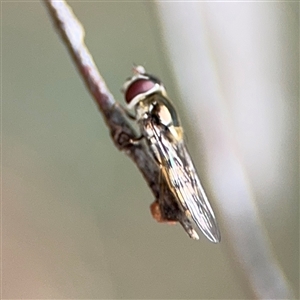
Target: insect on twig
171, 206
160, 126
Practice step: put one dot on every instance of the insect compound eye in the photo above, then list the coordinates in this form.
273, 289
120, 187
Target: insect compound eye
138, 87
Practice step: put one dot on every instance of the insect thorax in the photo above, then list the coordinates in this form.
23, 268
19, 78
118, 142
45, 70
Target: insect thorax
157, 111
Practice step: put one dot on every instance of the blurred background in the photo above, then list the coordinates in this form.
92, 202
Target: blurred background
75, 211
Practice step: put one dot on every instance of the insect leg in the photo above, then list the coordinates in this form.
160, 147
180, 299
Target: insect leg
135, 141
125, 111
131, 142
129, 114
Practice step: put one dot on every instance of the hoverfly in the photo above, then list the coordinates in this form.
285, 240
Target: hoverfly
160, 126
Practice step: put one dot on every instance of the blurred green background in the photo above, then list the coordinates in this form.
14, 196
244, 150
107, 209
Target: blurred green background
75, 216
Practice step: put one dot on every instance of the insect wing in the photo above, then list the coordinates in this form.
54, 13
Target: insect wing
181, 175
197, 203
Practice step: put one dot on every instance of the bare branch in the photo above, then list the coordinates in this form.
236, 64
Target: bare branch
72, 33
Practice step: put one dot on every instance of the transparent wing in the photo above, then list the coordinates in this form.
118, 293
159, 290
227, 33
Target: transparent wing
200, 208
182, 178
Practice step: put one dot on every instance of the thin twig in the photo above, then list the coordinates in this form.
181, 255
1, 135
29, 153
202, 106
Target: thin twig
72, 34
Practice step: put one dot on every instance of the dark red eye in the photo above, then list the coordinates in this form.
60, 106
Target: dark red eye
138, 87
